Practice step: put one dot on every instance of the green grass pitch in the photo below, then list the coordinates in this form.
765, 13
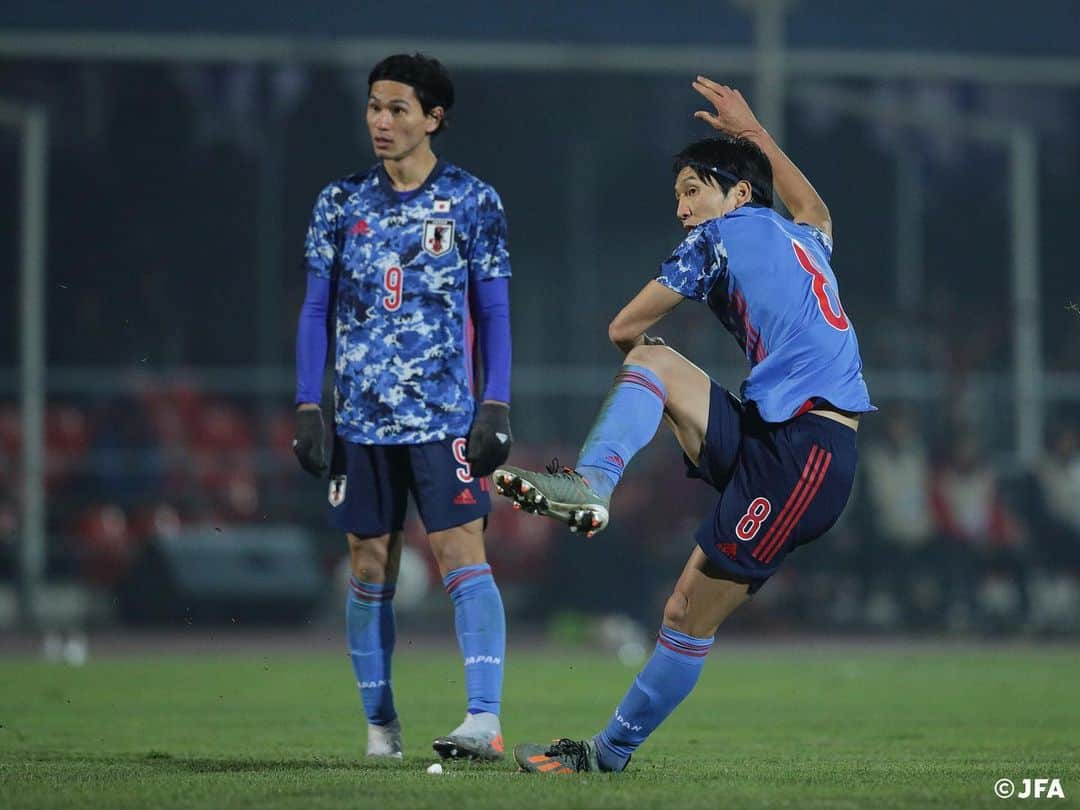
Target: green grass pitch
766, 727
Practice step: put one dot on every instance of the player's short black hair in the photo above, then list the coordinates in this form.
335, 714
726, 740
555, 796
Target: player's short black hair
724, 161
425, 75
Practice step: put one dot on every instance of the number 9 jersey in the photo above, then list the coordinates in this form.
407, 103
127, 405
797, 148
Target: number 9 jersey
767, 279
402, 264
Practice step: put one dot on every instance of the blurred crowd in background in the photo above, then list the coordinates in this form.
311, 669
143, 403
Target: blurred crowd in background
938, 537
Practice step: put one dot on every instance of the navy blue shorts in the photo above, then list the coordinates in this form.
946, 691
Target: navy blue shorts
370, 486
781, 484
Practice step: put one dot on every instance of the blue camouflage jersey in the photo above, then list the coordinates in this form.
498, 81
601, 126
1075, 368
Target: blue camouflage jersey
403, 264
767, 279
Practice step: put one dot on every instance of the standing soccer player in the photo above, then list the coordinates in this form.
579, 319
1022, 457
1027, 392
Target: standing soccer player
782, 457
402, 261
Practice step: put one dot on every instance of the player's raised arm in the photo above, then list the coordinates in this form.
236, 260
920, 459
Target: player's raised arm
733, 116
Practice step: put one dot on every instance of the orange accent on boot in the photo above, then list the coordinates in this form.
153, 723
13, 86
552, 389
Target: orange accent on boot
497, 743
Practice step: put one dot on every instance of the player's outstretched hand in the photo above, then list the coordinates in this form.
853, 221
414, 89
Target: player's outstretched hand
489, 440
732, 114
309, 444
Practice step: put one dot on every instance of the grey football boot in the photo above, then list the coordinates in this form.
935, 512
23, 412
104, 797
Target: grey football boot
564, 495
478, 737
559, 757
385, 741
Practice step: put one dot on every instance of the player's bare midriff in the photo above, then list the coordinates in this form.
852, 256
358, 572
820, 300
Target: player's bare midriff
845, 418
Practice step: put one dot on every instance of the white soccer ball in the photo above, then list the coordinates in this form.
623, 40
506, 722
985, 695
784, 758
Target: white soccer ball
435, 768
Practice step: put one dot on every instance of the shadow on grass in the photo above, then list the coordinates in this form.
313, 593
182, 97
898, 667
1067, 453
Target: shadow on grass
164, 762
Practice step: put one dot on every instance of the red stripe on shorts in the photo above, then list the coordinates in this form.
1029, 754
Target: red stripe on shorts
803, 478
809, 492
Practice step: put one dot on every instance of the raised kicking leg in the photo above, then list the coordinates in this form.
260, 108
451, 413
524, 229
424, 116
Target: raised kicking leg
655, 383
703, 598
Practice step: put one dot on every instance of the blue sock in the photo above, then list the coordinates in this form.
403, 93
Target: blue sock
627, 422
481, 631
669, 677
369, 622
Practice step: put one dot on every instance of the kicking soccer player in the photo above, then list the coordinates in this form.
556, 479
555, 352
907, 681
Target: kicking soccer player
782, 456
402, 260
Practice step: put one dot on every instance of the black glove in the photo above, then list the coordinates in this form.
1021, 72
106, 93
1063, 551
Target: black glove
489, 440
310, 441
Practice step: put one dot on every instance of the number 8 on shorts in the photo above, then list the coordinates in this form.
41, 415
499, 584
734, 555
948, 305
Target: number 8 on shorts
750, 523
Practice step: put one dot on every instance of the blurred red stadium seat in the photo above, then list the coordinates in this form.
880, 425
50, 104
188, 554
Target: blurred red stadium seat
219, 426
9, 523
281, 429
9, 446
105, 544
159, 520
67, 439
9, 427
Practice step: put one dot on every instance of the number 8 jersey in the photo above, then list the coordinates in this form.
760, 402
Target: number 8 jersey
403, 264
767, 279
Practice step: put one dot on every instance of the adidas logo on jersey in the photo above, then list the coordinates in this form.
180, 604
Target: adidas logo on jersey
482, 659
465, 498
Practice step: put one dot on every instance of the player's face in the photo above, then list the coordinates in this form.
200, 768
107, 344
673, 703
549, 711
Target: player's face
396, 121
698, 201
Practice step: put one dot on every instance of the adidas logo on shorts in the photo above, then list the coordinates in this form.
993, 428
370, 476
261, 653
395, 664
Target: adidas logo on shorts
465, 498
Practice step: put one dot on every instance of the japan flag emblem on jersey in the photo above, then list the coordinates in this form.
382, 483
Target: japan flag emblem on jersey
438, 236
336, 495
